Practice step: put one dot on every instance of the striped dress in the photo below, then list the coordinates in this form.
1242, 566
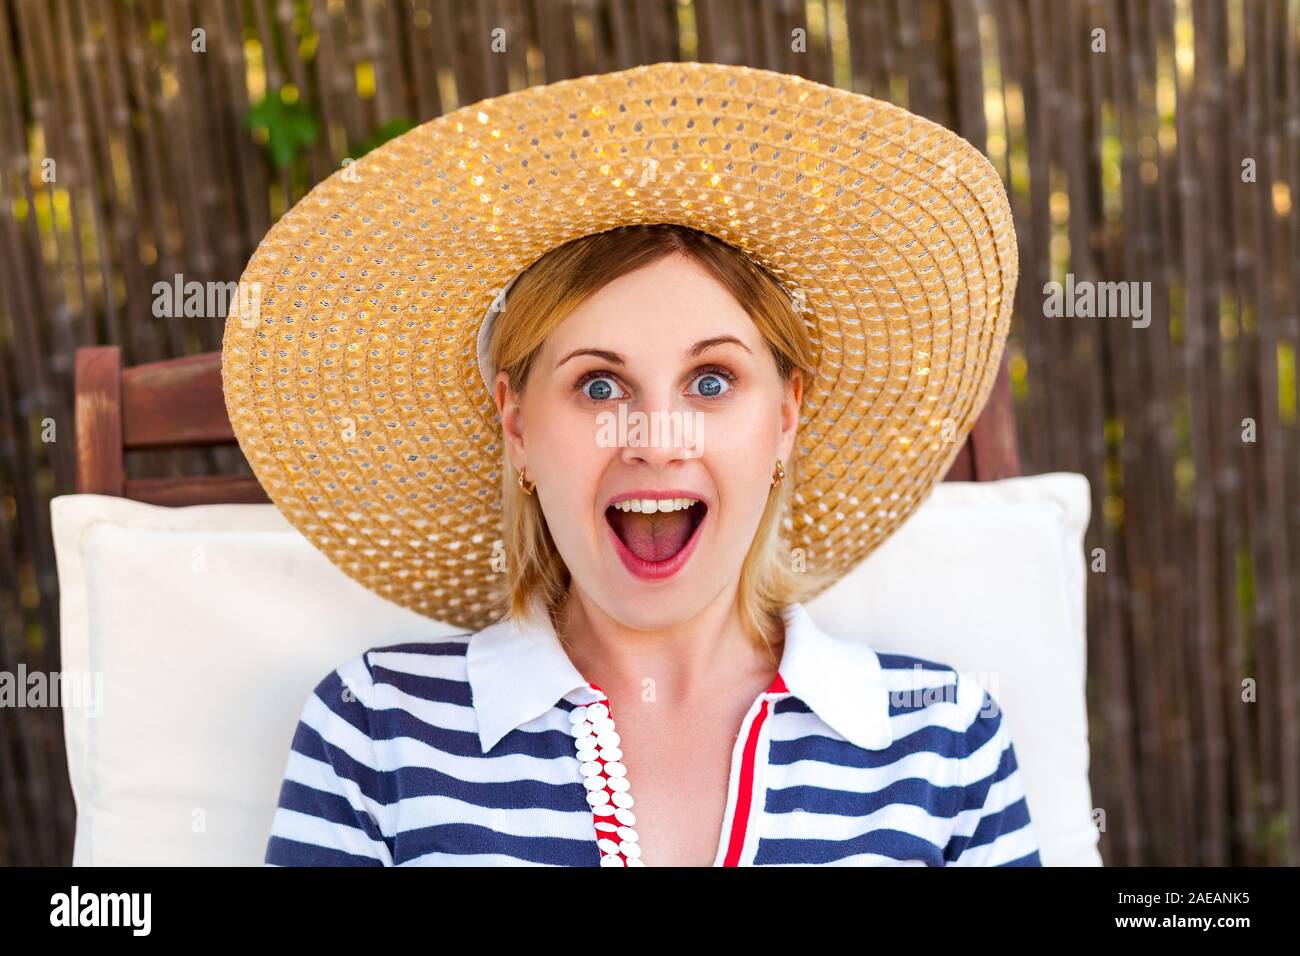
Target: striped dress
468, 750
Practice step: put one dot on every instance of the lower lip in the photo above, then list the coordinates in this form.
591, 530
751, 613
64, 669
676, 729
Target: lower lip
656, 570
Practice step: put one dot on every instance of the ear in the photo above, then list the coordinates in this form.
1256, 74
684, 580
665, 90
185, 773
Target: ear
512, 419
791, 401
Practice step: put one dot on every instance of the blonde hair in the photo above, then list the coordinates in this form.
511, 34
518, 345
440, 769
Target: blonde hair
541, 298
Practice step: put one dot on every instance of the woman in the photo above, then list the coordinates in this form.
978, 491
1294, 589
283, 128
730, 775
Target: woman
650, 688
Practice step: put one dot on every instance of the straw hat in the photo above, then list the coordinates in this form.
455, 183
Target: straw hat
352, 376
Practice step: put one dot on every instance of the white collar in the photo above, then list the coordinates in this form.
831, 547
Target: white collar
518, 671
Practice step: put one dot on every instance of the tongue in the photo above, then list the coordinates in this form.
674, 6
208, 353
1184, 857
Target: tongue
652, 537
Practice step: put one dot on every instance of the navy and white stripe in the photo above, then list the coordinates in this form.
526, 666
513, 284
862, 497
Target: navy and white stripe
447, 753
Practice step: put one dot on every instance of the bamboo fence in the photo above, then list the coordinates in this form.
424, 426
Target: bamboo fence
1171, 156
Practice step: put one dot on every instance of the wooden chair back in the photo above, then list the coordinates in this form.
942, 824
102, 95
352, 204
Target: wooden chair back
178, 403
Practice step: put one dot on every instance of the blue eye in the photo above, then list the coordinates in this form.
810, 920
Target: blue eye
713, 384
598, 389
599, 386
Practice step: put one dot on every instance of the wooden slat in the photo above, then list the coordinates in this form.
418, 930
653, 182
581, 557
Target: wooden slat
101, 468
962, 468
198, 490
178, 403
992, 441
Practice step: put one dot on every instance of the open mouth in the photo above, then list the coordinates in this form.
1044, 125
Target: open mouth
656, 539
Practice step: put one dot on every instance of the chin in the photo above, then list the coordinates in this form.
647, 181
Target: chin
608, 590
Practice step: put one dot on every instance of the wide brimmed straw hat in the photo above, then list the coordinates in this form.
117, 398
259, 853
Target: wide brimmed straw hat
351, 373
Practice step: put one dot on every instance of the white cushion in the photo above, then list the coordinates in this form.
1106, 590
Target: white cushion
989, 578
207, 628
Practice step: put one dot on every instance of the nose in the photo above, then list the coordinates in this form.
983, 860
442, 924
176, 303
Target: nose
661, 430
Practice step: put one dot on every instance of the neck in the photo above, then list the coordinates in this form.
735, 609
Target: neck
676, 662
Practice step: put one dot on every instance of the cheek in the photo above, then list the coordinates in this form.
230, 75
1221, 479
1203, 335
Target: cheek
741, 454
744, 438
554, 433
570, 441
563, 451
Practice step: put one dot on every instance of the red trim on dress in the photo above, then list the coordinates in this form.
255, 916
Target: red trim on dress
745, 796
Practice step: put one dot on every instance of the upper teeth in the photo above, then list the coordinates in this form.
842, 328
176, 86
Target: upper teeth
651, 505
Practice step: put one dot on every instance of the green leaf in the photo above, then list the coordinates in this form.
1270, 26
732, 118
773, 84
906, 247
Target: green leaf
289, 128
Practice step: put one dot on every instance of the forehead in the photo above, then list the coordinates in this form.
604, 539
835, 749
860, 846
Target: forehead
674, 299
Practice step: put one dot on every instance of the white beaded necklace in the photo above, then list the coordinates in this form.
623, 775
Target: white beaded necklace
605, 778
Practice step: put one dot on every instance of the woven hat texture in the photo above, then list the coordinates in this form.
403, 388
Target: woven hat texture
354, 387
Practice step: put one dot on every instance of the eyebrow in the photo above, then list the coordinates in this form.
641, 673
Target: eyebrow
615, 359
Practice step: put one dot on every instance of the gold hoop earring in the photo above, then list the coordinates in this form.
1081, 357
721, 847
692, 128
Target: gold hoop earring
528, 488
778, 474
